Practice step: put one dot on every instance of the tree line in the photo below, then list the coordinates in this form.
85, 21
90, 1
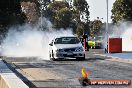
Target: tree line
63, 14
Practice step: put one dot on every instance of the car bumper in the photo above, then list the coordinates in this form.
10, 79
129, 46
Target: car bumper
69, 55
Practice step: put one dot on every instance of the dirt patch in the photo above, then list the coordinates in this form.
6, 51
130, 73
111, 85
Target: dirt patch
41, 74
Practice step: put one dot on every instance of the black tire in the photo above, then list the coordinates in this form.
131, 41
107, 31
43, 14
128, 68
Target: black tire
83, 58
80, 58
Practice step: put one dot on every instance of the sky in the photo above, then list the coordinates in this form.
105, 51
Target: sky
98, 9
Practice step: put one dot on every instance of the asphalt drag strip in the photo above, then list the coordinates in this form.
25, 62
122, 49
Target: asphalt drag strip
64, 74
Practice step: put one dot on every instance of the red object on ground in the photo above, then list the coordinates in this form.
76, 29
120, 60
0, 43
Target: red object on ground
115, 45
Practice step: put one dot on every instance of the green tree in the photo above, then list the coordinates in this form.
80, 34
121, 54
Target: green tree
81, 7
80, 29
63, 18
95, 27
122, 10
31, 9
60, 14
57, 5
10, 12
46, 3
44, 7
82, 13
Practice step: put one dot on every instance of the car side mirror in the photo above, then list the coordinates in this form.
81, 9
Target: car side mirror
51, 44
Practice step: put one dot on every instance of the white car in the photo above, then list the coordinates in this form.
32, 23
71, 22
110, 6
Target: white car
66, 47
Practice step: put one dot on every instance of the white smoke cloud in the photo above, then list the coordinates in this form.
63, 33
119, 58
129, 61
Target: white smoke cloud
127, 39
28, 41
119, 29
124, 31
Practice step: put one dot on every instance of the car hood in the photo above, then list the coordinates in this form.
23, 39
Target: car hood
62, 46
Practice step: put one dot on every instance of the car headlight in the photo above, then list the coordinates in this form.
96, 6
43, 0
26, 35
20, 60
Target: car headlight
79, 49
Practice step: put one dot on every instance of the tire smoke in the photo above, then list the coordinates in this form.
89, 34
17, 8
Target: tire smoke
124, 31
127, 40
28, 41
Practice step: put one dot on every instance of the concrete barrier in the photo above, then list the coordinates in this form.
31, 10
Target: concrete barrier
8, 79
3, 83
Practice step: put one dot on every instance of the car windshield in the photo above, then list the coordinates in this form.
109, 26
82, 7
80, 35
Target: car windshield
67, 40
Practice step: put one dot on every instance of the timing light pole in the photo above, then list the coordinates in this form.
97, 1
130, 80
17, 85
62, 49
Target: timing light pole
107, 18
41, 13
107, 28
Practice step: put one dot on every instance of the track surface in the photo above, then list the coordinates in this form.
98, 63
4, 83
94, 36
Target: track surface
64, 74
